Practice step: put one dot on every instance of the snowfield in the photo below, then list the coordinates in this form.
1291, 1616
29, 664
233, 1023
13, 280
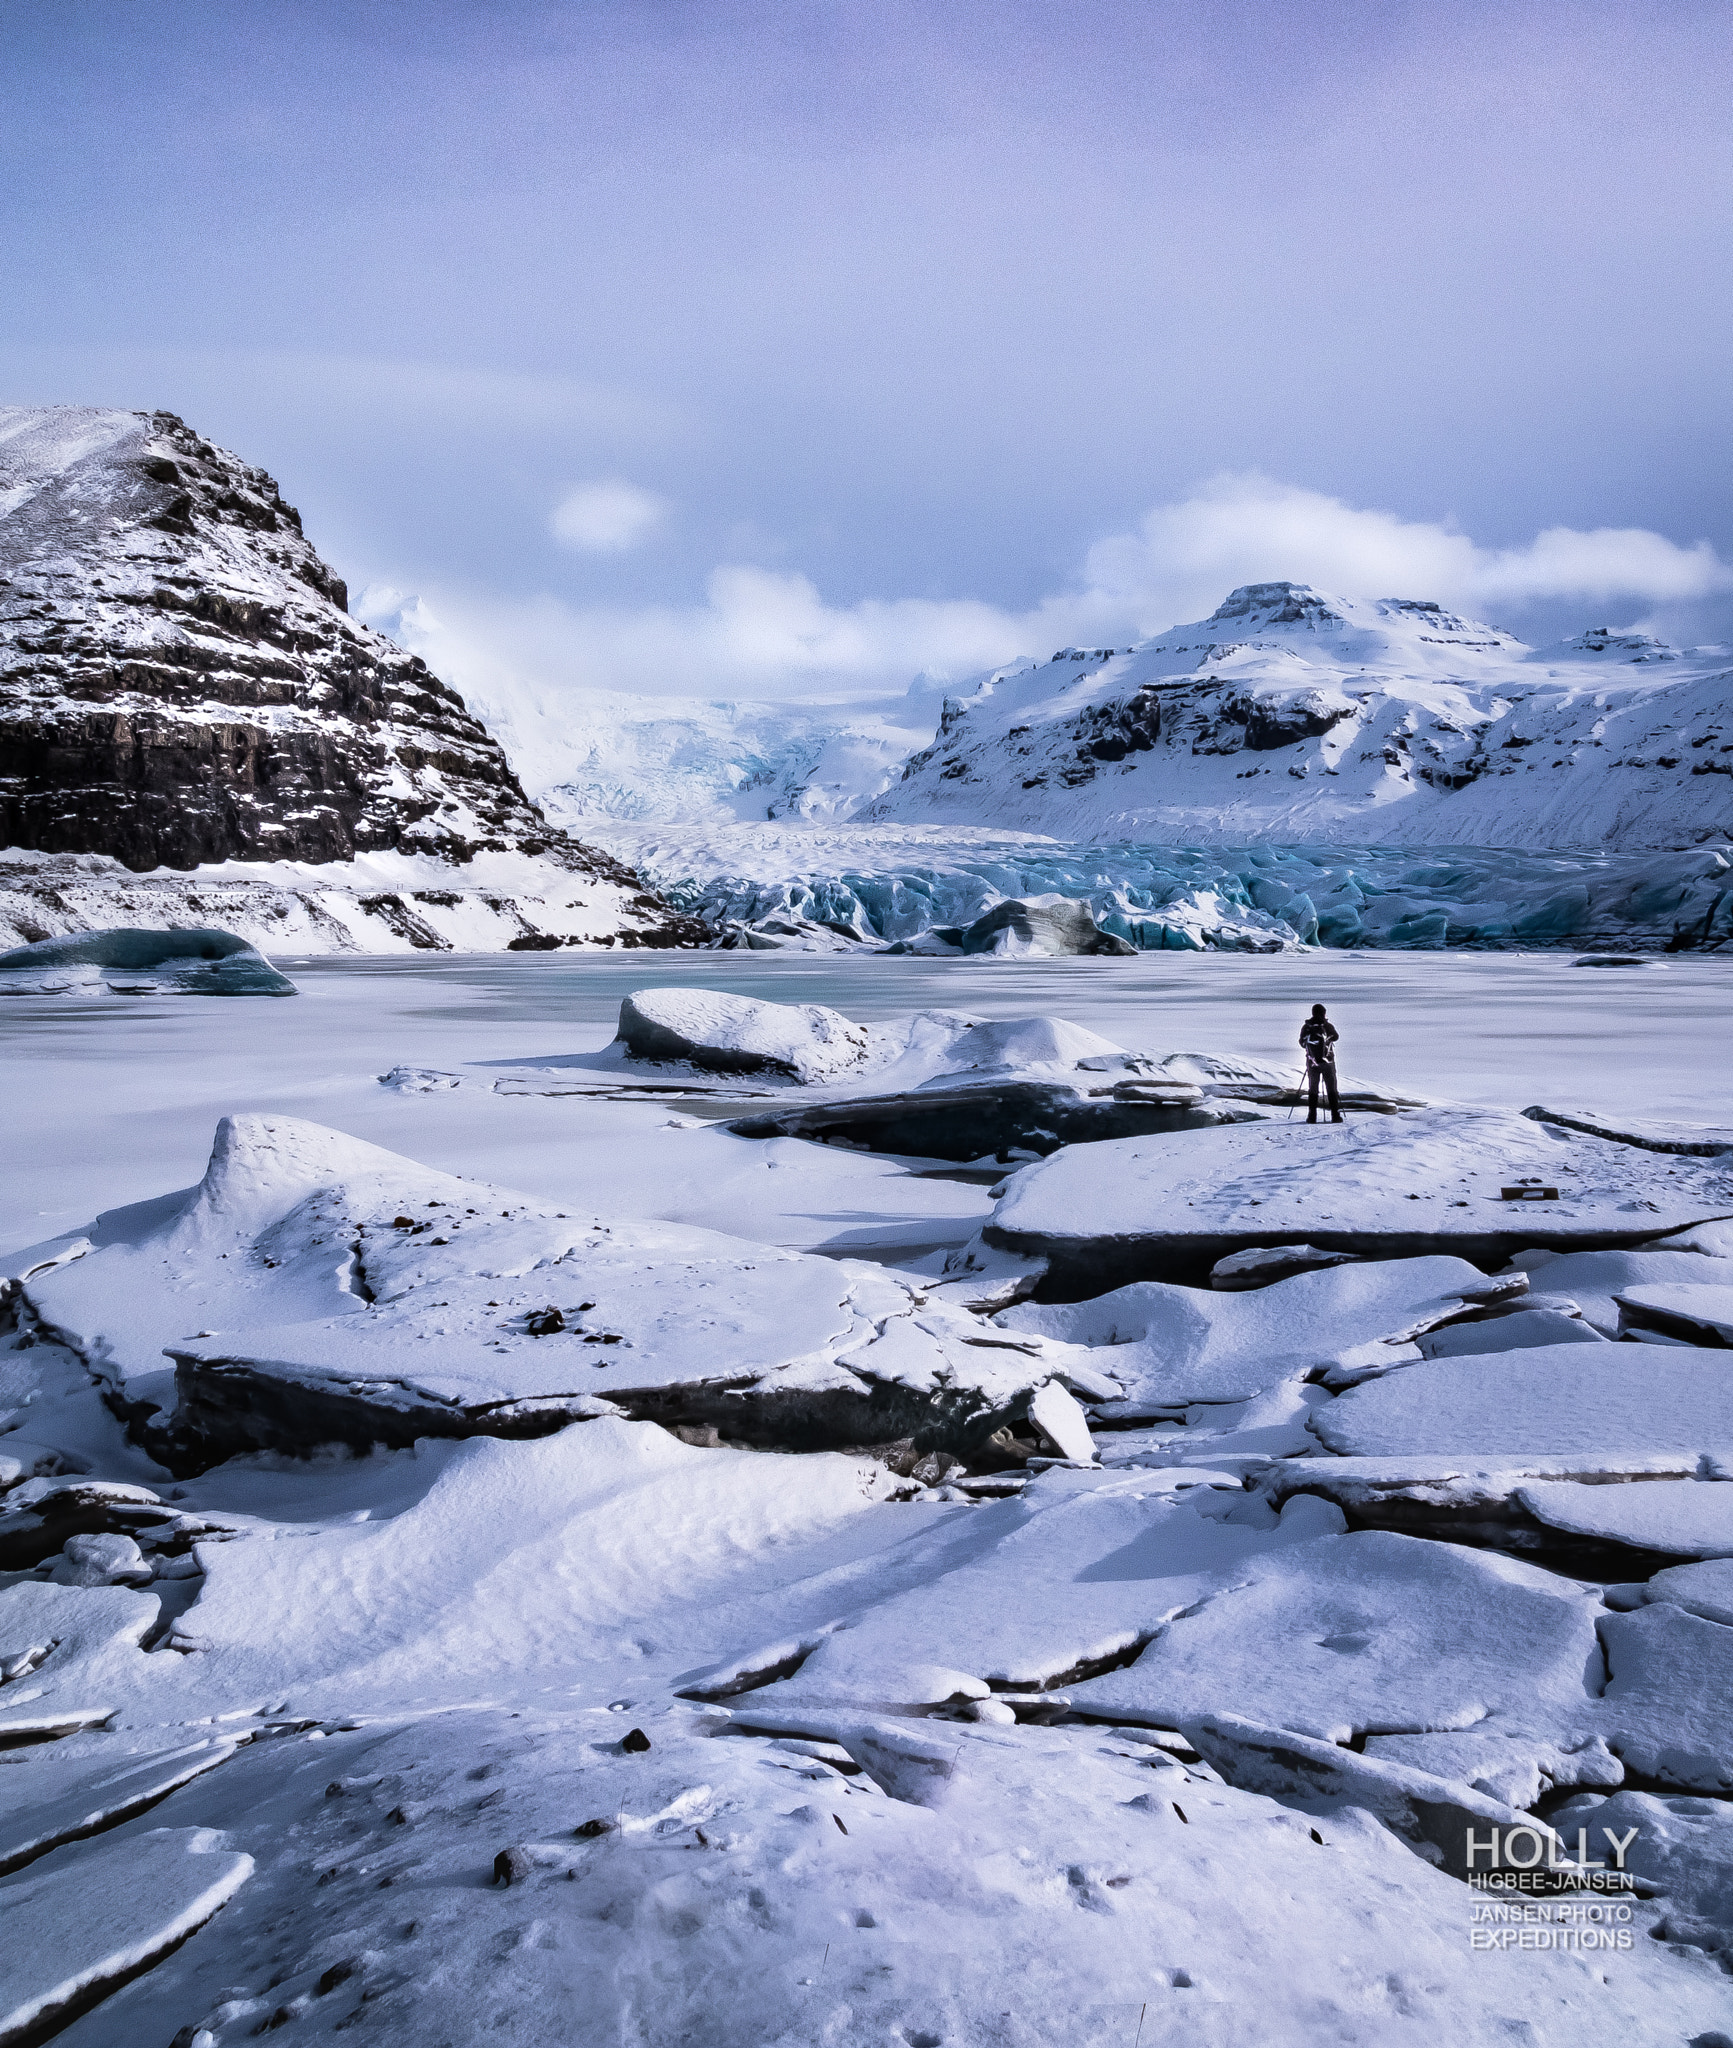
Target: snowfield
558, 1541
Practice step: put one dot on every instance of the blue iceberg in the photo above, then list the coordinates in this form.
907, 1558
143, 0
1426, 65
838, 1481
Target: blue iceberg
132, 962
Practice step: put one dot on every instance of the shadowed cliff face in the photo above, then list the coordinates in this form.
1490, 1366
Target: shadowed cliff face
180, 680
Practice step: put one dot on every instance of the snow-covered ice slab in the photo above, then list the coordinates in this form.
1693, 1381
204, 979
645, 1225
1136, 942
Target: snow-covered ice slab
1467, 1500
1523, 1332
1596, 1280
1668, 1705
1519, 1769
75, 1652
1704, 1141
1171, 1346
701, 1031
1625, 1399
132, 962
1526, 1330
1425, 1183
349, 1295
1368, 1633
1688, 1520
48, 1799
82, 1925
728, 1034
1705, 1589
1698, 1315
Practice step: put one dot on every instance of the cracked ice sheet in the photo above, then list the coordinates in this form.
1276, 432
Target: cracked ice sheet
1371, 1633
609, 1552
81, 1921
1074, 1569
1377, 1634
1054, 1894
1169, 1347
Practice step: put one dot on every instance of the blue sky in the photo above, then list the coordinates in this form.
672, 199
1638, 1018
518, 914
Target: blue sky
779, 349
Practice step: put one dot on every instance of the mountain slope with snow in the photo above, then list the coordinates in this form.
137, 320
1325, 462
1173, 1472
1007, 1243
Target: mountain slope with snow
184, 696
1292, 716
180, 680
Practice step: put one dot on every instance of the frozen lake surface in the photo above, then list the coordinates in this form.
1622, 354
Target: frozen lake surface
111, 1100
753, 1677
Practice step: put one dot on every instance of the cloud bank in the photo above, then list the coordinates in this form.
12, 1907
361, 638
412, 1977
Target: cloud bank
763, 634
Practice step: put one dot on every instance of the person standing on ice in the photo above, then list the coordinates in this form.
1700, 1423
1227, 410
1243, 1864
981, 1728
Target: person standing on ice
1318, 1040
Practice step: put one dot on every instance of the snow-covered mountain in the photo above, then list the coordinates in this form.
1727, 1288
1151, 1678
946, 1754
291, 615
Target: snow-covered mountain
1292, 716
181, 684
179, 677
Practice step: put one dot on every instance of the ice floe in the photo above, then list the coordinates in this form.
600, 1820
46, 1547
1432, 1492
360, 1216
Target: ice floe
1705, 1589
1556, 1399
1691, 1520
1169, 1346
128, 962
1432, 1181
726, 1034
1667, 1709
72, 1792
78, 1928
348, 1295
1367, 1633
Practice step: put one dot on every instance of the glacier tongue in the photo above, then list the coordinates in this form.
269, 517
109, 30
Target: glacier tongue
888, 883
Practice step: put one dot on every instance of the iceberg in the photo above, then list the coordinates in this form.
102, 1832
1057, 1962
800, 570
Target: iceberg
131, 962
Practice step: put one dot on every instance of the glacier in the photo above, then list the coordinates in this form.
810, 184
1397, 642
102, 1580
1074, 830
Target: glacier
887, 884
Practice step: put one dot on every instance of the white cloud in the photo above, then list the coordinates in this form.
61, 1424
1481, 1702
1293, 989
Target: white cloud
1184, 558
606, 518
760, 633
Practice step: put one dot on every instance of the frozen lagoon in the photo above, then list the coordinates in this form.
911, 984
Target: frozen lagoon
667, 1689
113, 1101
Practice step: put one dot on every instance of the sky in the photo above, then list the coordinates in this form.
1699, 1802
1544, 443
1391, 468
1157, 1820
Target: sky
801, 348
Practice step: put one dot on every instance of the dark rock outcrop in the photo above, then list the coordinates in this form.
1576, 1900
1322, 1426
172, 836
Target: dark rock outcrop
180, 681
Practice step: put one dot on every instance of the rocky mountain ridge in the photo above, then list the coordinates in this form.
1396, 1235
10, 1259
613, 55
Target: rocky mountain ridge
182, 687
1294, 716
180, 681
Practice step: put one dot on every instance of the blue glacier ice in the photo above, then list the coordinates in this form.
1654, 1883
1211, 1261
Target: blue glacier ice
1256, 898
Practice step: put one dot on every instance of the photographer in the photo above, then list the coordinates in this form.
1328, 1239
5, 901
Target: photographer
1318, 1041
